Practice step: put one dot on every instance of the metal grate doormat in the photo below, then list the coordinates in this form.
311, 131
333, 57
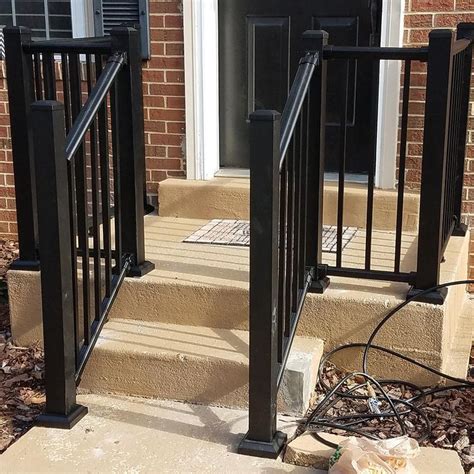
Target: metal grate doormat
237, 233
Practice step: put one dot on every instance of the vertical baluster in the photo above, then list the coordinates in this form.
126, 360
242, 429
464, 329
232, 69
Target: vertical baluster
297, 215
402, 165
105, 185
342, 162
282, 256
49, 76
38, 76
456, 172
290, 270
372, 163
74, 97
303, 193
66, 92
95, 200
71, 176
117, 180
81, 193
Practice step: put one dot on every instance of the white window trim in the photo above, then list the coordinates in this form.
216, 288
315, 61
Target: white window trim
202, 91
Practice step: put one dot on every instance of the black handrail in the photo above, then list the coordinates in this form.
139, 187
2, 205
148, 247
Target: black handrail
368, 52
297, 96
76, 45
93, 103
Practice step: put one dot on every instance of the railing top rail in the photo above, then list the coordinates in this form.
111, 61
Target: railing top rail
94, 101
461, 45
298, 93
102, 45
377, 53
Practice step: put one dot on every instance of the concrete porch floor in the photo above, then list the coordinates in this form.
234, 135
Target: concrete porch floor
229, 265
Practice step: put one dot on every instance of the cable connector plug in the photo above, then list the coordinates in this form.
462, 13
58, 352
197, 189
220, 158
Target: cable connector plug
372, 401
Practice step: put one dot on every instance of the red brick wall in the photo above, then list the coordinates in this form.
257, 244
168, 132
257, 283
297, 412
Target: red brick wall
7, 190
163, 87
421, 17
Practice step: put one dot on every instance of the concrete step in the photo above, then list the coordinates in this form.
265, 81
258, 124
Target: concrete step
228, 198
309, 452
193, 364
207, 286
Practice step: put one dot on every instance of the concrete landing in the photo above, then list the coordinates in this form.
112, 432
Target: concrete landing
229, 198
132, 435
195, 364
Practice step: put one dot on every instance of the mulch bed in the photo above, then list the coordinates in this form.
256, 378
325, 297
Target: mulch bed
451, 415
22, 396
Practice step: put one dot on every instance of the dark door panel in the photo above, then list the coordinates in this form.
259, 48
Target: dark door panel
260, 46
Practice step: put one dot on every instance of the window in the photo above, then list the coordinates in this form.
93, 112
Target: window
75, 18
46, 18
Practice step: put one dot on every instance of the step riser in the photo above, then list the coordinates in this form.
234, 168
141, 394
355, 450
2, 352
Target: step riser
189, 380
206, 366
229, 199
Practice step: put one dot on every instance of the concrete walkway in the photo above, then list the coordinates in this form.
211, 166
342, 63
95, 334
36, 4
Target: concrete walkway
132, 435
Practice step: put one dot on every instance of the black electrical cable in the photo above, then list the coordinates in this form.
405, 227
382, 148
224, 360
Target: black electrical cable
317, 421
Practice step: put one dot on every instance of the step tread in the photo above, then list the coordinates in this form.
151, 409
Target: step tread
170, 340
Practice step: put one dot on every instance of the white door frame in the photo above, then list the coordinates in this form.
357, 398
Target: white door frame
201, 48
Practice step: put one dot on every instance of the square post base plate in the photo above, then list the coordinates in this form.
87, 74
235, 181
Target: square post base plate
64, 422
270, 450
435, 297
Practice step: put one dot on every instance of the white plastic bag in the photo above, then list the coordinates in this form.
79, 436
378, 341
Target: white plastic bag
366, 456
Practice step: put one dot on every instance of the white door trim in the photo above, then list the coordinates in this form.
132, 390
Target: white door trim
201, 48
389, 97
201, 53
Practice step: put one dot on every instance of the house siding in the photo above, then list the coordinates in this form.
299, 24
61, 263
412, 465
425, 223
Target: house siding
164, 102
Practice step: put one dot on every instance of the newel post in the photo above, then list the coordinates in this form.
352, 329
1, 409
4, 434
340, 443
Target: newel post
438, 98
130, 130
263, 439
20, 96
62, 411
315, 41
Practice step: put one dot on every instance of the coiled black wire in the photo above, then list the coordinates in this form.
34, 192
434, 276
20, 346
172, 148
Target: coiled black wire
317, 420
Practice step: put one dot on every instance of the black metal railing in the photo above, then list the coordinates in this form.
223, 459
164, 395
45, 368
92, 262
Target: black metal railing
286, 200
286, 233
444, 149
86, 129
